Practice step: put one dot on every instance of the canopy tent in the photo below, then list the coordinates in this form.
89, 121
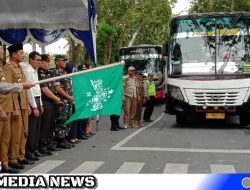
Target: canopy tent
44, 22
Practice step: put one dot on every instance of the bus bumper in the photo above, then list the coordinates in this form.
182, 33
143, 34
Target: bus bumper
175, 107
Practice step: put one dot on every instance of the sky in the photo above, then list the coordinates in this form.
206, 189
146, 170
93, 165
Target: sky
181, 7
60, 46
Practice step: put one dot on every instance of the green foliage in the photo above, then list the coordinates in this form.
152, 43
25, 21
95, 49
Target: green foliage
201, 6
106, 32
119, 19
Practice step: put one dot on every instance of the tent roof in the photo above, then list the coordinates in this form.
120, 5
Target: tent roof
45, 21
44, 14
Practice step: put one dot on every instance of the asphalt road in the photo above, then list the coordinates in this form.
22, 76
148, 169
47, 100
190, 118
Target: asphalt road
159, 147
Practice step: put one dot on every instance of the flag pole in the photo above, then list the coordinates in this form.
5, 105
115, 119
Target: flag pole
77, 73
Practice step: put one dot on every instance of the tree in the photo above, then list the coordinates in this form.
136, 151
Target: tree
201, 6
120, 18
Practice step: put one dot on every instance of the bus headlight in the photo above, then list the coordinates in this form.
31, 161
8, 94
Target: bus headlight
175, 92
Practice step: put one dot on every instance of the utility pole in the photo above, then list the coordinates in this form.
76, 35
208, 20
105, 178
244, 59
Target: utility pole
232, 5
43, 49
33, 46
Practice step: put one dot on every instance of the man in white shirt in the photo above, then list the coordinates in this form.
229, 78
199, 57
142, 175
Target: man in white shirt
35, 102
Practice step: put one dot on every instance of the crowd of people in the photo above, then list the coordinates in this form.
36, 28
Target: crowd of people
33, 114
138, 90
32, 117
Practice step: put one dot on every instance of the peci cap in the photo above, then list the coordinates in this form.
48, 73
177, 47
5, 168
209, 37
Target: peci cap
131, 68
45, 57
14, 48
62, 57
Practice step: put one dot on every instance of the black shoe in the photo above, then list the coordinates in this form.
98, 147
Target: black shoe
92, 133
83, 137
120, 127
69, 144
38, 154
16, 166
63, 146
148, 120
9, 170
114, 129
165, 111
53, 148
87, 135
26, 162
31, 157
46, 152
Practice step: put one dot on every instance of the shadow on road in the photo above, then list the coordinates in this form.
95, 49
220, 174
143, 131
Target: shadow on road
201, 123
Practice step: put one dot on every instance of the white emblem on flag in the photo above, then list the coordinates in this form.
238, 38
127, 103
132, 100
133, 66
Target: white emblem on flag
101, 95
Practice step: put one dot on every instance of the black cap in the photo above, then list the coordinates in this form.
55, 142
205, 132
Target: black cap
14, 48
45, 57
60, 57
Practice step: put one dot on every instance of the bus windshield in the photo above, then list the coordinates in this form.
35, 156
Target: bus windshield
146, 59
210, 46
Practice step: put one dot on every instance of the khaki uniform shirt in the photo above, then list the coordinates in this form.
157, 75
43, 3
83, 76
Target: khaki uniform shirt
5, 99
141, 92
130, 86
15, 75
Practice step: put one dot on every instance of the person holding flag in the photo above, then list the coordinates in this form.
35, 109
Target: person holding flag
97, 91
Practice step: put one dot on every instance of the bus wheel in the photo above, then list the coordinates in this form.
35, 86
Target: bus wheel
244, 120
180, 119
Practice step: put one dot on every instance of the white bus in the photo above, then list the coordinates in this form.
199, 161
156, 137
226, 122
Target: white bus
208, 68
147, 59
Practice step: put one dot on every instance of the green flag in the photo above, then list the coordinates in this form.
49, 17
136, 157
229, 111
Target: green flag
97, 93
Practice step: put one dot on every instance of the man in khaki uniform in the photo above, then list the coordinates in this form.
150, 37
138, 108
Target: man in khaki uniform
141, 94
19, 120
130, 94
6, 109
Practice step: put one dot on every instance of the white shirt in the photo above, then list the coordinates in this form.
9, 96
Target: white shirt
35, 91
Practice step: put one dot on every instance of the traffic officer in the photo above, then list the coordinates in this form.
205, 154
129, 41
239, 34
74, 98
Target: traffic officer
50, 100
130, 94
19, 120
150, 92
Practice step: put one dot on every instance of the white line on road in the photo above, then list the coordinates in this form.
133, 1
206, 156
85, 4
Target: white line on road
172, 168
219, 168
119, 146
130, 168
45, 167
128, 138
88, 167
193, 150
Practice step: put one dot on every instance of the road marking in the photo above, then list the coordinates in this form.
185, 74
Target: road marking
45, 167
130, 168
87, 167
172, 168
192, 150
219, 168
128, 138
119, 145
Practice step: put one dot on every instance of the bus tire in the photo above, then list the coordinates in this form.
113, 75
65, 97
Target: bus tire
180, 119
244, 120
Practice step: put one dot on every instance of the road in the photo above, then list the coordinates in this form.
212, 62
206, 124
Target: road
159, 147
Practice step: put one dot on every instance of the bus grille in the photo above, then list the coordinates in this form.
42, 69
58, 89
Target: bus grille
216, 98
